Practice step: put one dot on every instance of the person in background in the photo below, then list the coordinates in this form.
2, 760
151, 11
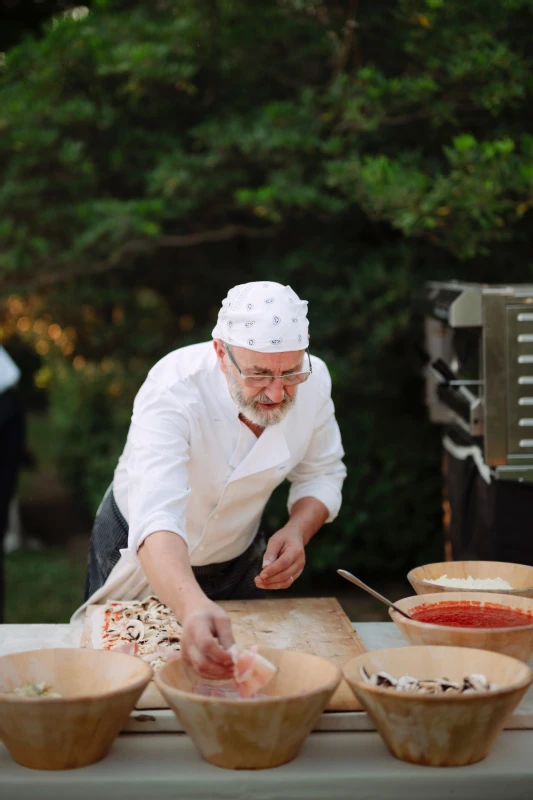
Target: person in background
215, 428
12, 436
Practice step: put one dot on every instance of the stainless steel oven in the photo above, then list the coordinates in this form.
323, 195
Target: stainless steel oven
479, 387
479, 340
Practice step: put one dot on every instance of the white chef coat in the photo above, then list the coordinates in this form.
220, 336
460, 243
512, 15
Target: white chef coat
9, 372
190, 466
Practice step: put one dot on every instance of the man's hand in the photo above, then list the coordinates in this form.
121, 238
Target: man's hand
206, 627
206, 638
284, 559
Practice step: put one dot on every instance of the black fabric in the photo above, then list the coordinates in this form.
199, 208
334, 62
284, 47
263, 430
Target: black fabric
228, 580
12, 436
489, 521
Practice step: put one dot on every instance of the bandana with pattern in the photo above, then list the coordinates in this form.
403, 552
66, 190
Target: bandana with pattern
263, 316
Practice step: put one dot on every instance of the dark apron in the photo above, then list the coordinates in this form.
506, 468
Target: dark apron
228, 580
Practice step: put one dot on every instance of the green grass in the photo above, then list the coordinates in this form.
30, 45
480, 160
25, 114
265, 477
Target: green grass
42, 587
45, 586
38, 437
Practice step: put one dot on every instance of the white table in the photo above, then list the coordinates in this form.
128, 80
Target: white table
331, 766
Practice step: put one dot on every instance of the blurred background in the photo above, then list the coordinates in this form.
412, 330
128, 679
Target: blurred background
153, 153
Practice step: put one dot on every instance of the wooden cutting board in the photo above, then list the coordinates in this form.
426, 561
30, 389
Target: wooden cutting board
309, 625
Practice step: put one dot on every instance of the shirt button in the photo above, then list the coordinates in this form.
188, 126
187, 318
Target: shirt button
216, 516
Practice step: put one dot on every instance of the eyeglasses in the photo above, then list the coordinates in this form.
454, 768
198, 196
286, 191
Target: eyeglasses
262, 381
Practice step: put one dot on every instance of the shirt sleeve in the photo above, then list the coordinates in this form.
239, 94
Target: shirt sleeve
159, 448
321, 472
9, 372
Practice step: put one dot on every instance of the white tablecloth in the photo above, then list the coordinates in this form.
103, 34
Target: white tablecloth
331, 766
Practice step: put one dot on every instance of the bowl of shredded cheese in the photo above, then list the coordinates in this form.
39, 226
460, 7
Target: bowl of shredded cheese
473, 576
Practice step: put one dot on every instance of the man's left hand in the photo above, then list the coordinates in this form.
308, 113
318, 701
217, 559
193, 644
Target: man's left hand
284, 559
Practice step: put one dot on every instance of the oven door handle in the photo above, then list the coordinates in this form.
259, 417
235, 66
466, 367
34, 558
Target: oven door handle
447, 376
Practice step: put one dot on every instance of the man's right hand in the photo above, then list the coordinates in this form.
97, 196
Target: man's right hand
207, 632
206, 639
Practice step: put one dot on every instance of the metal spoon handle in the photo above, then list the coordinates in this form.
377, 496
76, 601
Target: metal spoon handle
349, 577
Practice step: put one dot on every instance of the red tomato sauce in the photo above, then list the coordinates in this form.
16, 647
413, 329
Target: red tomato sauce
472, 615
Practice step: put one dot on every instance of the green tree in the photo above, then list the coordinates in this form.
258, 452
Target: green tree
350, 149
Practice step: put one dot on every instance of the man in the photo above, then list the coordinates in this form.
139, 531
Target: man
215, 428
12, 436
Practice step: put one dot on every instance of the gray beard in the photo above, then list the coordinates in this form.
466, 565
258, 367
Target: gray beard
248, 406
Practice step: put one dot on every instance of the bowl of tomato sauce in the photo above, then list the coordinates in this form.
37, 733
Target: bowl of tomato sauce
485, 620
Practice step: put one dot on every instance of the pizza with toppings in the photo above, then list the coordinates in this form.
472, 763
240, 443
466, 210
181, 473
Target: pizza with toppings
148, 629
145, 628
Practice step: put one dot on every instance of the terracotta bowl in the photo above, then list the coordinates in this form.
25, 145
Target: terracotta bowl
98, 688
432, 730
253, 734
519, 576
516, 642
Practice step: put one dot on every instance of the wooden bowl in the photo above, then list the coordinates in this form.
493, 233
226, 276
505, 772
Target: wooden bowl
255, 733
519, 576
98, 688
434, 730
516, 642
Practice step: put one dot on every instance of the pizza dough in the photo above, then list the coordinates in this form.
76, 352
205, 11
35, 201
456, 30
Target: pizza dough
145, 628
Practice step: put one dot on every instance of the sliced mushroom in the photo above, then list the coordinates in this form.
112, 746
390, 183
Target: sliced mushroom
430, 685
478, 683
135, 629
469, 684
407, 684
384, 679
365, 675
446, 684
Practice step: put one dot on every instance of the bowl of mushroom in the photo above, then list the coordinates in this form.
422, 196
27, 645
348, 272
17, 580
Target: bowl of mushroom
438, 706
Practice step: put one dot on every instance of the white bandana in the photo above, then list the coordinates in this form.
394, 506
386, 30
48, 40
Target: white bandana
263, 316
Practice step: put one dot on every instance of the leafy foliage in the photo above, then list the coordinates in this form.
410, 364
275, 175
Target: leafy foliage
352, 150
